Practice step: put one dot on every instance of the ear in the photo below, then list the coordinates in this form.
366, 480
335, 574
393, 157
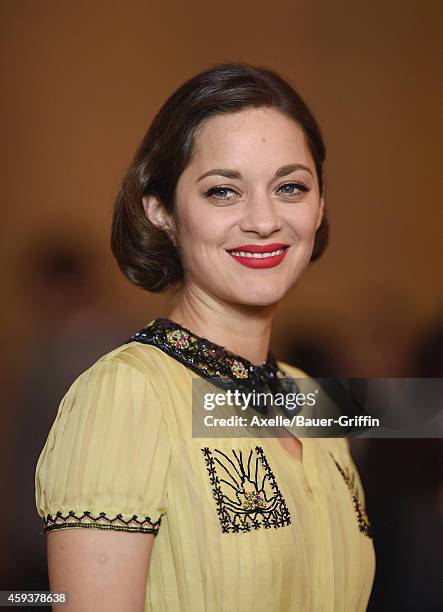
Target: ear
321, 212
155, 213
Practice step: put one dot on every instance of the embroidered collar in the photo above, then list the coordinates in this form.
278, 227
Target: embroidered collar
212, 361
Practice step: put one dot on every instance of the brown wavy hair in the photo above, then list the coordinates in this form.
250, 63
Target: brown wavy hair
144, 252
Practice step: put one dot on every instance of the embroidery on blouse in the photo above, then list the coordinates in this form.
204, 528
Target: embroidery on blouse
101, 521
214, 362
245, 490
363, 521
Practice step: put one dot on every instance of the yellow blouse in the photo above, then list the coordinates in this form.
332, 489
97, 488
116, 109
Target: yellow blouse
239, 524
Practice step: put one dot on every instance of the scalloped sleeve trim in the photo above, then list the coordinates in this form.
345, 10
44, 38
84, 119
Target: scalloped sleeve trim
100, 521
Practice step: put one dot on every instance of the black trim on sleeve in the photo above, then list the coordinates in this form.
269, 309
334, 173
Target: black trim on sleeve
101, 521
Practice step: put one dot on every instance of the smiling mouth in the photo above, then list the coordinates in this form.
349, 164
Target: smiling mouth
259, 255
256, 255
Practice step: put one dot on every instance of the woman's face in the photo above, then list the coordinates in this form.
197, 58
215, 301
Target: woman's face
247, 208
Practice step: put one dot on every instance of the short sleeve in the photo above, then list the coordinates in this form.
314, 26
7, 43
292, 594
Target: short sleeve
105, 462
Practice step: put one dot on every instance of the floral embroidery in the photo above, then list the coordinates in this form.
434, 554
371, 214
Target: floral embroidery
245, 490
178, 338
253, 500
214, 362
239, 370
101, 521
363, 521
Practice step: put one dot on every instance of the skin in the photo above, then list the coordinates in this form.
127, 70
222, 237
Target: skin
221, 300
103, 571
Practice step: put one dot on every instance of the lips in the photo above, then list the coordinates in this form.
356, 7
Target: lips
259, 255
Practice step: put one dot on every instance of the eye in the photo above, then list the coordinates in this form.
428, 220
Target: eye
220, 193
293, 188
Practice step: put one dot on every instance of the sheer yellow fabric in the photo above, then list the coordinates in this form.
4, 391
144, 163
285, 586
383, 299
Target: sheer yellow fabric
120, 455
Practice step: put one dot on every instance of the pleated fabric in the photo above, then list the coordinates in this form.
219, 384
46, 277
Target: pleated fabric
120, 455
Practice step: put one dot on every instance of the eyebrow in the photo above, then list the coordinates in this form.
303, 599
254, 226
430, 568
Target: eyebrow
234, 174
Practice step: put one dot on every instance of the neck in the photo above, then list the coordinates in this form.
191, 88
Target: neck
244, 330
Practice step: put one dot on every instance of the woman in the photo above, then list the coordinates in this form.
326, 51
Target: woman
224, 201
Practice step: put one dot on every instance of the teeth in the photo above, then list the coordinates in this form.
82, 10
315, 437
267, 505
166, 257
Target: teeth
256, 255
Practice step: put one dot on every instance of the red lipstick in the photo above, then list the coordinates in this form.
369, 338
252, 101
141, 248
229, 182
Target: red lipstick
259, 255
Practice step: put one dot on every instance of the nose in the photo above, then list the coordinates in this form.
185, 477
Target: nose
260, 216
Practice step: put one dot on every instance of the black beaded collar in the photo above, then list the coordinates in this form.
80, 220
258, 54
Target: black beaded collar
212, 361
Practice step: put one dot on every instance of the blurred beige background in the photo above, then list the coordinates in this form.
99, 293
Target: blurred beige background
82, 81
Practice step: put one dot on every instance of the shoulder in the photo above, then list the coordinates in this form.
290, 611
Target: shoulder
123, 385
134, 360
142, 357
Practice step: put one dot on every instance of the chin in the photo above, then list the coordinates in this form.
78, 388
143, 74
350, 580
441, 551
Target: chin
258, 296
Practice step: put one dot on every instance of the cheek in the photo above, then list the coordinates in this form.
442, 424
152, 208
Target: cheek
304, 222
198, 235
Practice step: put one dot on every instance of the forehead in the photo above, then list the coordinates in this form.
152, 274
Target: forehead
249, 135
